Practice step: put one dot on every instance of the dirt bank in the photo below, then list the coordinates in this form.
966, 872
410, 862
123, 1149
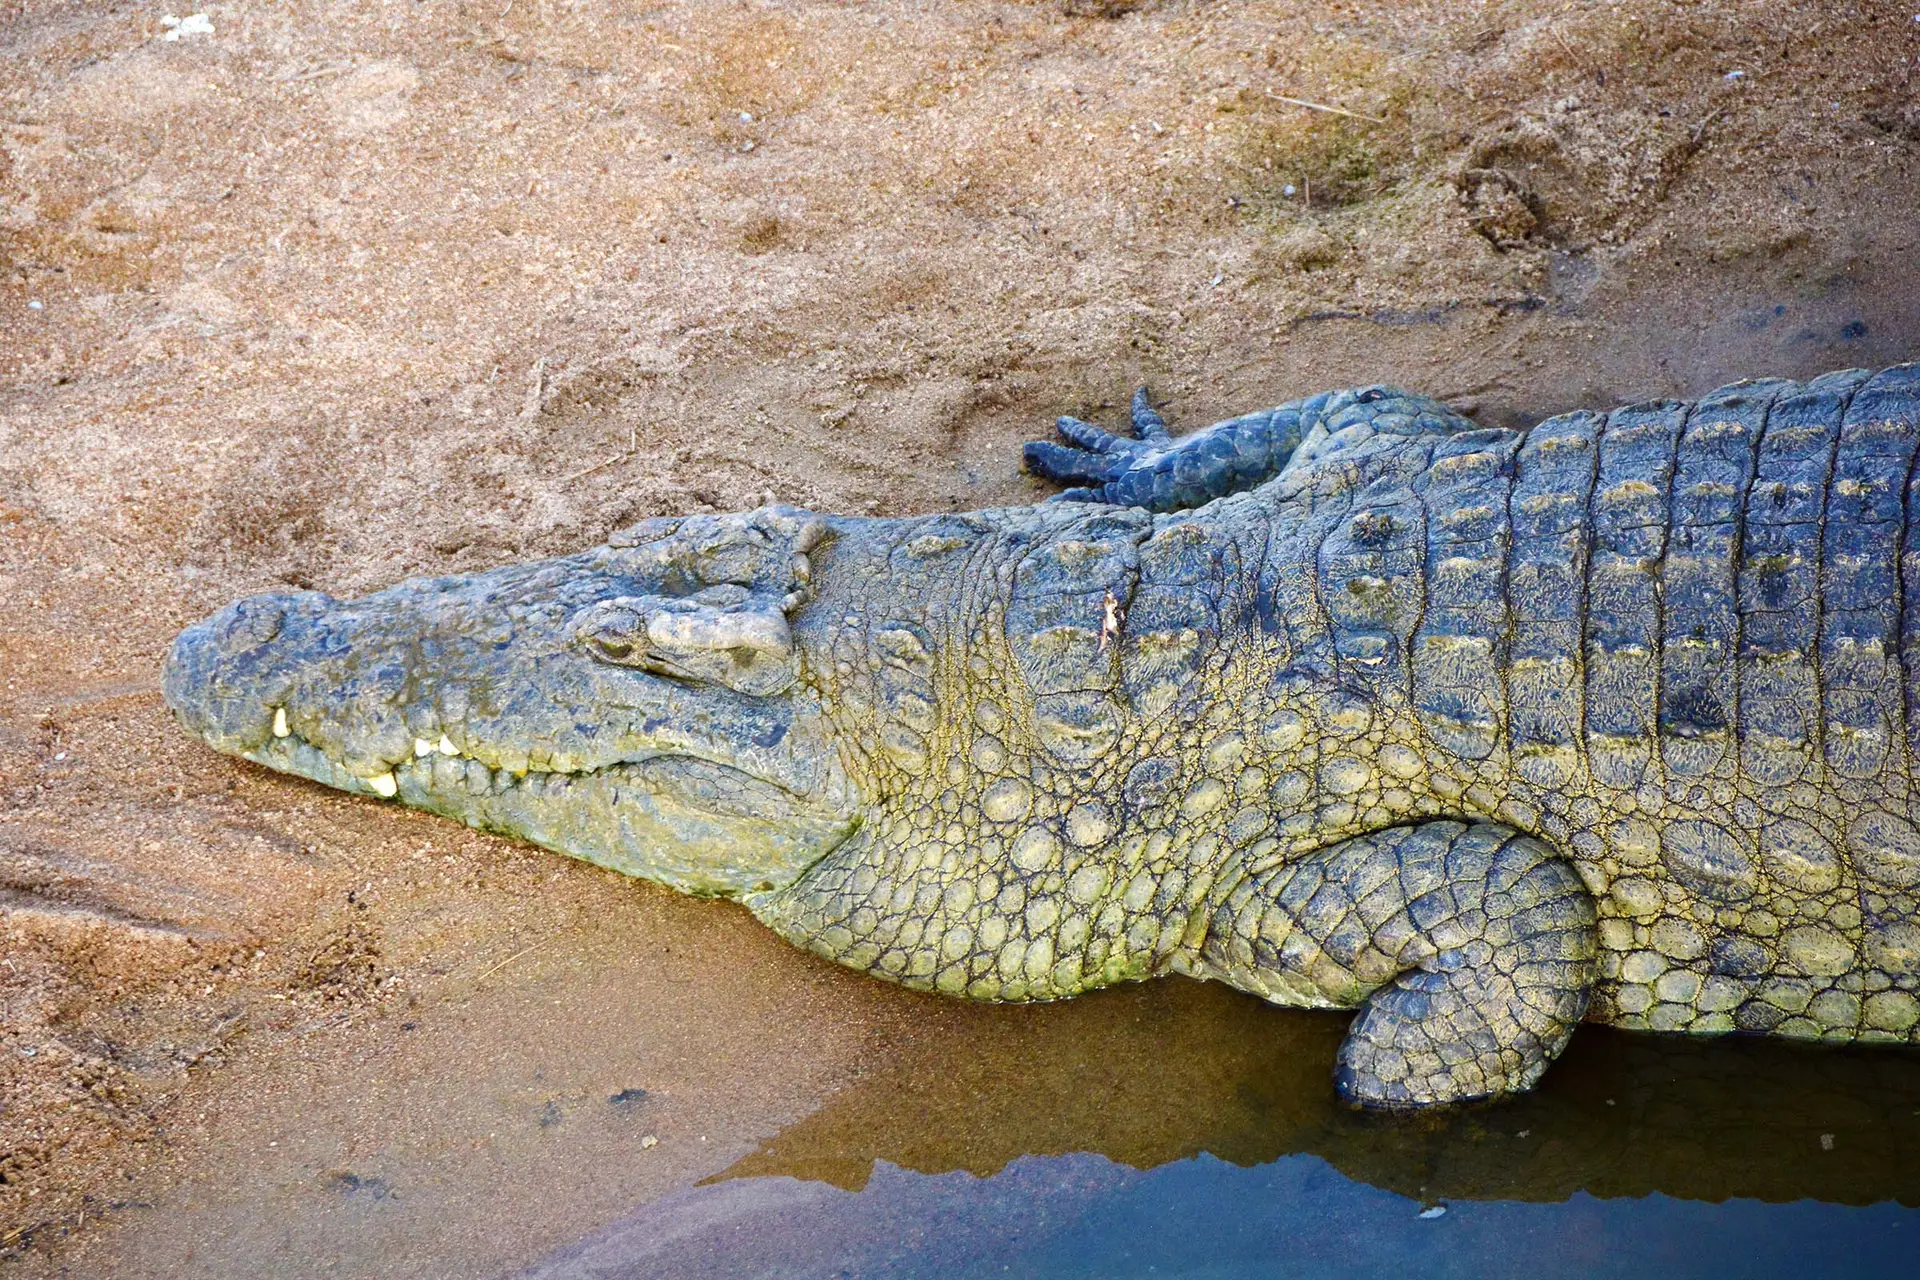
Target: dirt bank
340, 293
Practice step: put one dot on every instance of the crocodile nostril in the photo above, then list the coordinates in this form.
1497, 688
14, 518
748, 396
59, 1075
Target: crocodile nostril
249, 624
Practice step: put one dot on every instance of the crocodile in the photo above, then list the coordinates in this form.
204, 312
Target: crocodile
1350, 703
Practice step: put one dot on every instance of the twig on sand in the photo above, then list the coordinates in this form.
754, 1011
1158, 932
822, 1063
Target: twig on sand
1321, 106
1700, 129
598, 466
536, 397
524, 951
1566, 44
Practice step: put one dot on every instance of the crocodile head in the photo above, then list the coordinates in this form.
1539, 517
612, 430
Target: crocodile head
639, 705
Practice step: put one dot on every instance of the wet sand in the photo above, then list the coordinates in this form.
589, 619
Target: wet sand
339, 294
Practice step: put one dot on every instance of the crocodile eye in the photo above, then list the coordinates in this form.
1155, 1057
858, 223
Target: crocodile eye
611, 650
615, 632
621, 651
695, 640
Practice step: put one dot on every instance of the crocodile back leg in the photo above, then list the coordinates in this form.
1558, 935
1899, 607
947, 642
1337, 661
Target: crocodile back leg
1470, 951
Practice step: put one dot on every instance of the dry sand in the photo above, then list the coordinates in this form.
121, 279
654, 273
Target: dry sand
340, 293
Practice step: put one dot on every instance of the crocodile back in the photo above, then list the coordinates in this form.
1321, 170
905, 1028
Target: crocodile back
1742, 588
1706, 607
1680, 639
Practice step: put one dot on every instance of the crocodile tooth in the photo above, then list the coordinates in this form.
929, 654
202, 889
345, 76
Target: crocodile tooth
384, 785
422, 748
280, 729
446, 747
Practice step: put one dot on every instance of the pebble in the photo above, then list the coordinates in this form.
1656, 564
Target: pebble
194, 24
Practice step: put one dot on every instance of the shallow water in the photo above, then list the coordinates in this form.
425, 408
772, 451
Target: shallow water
1084, 1216
1183, 1130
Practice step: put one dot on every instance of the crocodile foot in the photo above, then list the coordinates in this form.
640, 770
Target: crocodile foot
1097, 455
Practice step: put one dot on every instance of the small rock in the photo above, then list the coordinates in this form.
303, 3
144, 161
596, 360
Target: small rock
1304, 248
1501, 207
348, 1183
195, 24
649, 1142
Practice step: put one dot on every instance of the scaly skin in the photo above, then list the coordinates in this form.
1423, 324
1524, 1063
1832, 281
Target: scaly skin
1478, 732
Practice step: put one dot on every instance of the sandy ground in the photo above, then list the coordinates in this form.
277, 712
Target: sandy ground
340, 293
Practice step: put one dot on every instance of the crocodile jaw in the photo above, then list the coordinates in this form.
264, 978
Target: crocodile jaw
513, 729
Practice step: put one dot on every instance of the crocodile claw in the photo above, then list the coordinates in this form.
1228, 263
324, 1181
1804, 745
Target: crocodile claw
1094, 454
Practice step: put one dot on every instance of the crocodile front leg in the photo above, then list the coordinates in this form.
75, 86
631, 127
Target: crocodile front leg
1160, 473
1469, 949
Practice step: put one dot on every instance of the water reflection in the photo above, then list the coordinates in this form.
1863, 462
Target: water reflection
1184, 1130
1079, 1217
1162, 1072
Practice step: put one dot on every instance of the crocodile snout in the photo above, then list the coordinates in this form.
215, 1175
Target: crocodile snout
226, 677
